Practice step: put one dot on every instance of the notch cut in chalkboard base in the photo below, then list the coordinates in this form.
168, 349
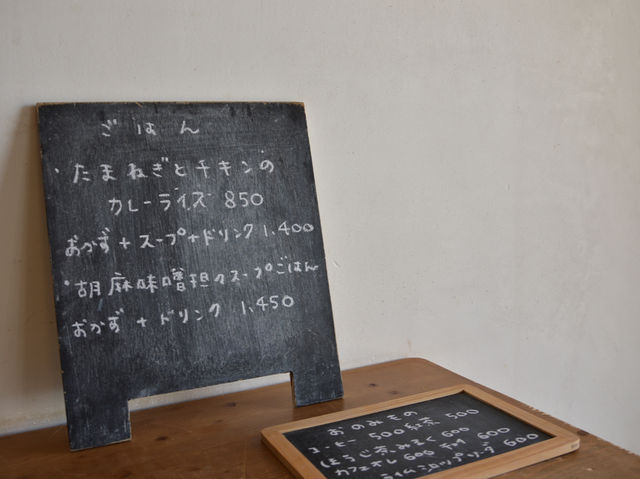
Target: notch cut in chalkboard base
90, 424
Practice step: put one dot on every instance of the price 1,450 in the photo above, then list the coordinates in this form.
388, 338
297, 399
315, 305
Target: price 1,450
268, 303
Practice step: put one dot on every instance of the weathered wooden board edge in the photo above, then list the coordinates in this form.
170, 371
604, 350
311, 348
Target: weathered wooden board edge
171, 102
562, 442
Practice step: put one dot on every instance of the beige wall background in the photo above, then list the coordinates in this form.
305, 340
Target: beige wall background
477, 165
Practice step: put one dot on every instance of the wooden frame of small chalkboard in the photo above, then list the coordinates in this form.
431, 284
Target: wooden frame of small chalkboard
341, 460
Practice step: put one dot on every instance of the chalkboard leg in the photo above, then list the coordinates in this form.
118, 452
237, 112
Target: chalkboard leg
317, 384
93, 423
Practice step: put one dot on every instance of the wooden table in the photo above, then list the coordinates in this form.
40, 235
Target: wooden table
219, 437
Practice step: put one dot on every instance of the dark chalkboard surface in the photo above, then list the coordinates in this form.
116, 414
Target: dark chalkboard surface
186, 250
456, 432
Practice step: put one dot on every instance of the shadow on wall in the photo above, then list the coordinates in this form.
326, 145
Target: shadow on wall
32, 370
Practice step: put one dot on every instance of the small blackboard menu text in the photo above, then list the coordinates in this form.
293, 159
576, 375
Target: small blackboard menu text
457, 432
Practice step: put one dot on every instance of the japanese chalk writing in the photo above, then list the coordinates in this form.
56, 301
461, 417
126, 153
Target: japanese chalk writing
103, 241
414, 440
194, 192
179, 280
164, 167
118, 319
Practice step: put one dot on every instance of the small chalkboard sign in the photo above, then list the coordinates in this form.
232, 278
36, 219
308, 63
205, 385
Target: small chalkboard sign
459, 432
187, 251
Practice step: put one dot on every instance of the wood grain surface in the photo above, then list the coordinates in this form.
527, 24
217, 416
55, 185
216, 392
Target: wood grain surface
219, 437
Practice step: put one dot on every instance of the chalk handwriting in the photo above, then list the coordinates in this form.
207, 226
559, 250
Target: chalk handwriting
103, 242
163, 167
185, 189
179, 280
119, 321
192, 200
409, 443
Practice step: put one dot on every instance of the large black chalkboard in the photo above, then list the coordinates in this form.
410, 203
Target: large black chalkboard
419, 436
186, 251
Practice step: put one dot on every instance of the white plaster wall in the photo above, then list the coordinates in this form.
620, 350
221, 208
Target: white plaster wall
477, 164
